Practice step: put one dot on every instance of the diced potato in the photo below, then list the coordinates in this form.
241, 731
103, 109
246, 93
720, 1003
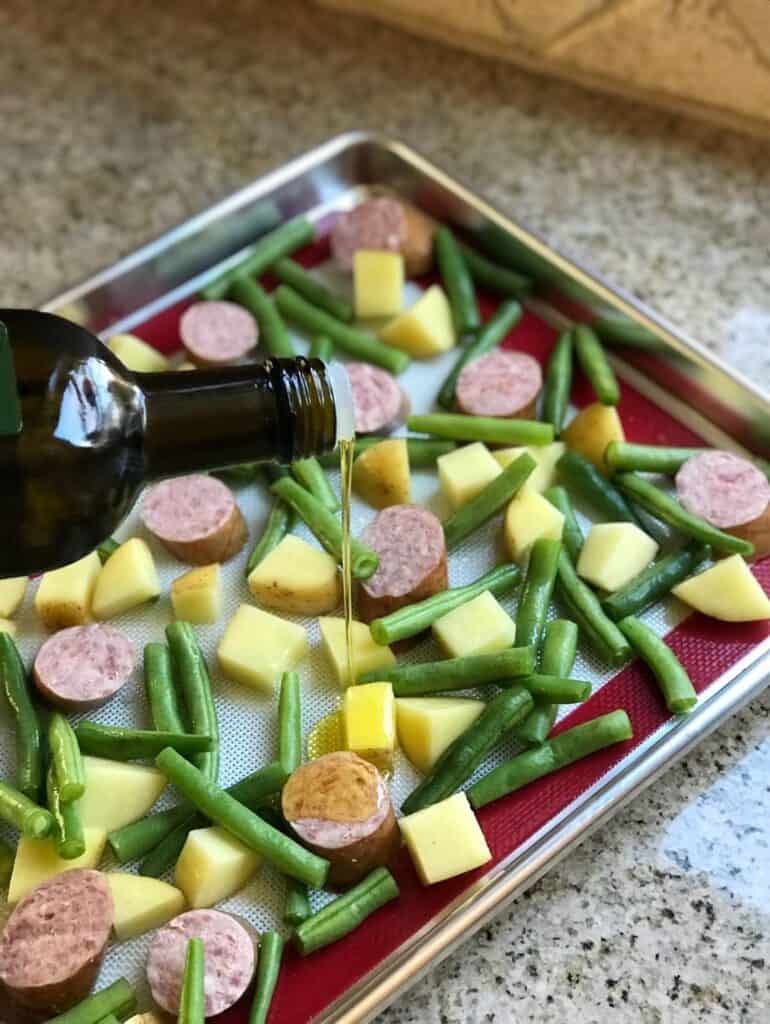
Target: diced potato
366, 654
64, 595
257, 647
427, 725
546, 456
369, 722
529, 517
196, 596
8, 626
613, 553
480, 626
592, 430
465, 472
425, 329
381, 474
144, 1018
142, 903
128, 578
136, 354
185, 366
444, 840
727, 591
297, 578
213, 866
36, 861
378, 283
12, 594
138, 786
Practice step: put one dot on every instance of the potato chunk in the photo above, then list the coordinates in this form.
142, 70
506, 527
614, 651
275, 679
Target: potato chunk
213, 866
136, 354
196, 596
142, 904
614, 553
257, 647
128, 578
445, 840
592, 430
369, 722
465, 472
139, 786
425, 329
529, 517
427, 725
37, 860
64, 595
378, 283
381, 474
8, 626
12, 594
727, 591
367, 655
480, 626
297, 578
546, 456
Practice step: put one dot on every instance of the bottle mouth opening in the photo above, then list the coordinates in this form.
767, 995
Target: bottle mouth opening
343, 401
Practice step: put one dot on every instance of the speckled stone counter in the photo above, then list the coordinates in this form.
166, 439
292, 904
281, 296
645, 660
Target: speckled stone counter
119, 120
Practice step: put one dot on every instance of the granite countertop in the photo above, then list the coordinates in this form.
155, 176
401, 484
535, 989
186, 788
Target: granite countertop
120, 120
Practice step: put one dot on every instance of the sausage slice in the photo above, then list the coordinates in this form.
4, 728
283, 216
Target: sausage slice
83, 666
385, 223
196, 517
413, 561
338, 806
216, 333
379, 402
54, 941
500, 384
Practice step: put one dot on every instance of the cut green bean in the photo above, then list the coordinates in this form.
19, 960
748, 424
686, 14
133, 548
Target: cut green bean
160, 690
454, 673
585, 480
488, 502
593, 360
487, 337
490, 429
109, 1019
68, 829
572, 535
312, 477
457, 281
268, 969
120, 744
296, 908
493, 277
291, 273
192, 998
245, 473
562, 750
647, 458
7, 857
163, 857
355, 342
663, 506
18, 810
558, 382
414, 618
536, 592
656, 581
326, 527
273, 335
673, 680
287, 856
321, 348
106, 548
558, 657
422, 451
290, 723
66, 759
280, 522
283, 241
556, 689
347, 912
118, 999
191, 675
29, 735
600, 631
461, 758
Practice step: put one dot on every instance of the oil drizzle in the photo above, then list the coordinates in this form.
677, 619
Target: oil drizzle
346, 485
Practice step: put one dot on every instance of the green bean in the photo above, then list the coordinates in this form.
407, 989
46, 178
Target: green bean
326, 527
454, 673
600, 631
492, 276
192, 998
559, 647
488, 502
245, 473
120, 744
7, 857
558, 382
673, 680
647, 458
488, 336
550, 689
272, 471
66, 759
273, 335
414, 618
592, 358
287, 856
566, 748
422, 451
582, 477
192, 677
572, 535
166, 853
461, 758
296, 909
663, 506
109, 1019
290, 723
106, 548
458, 283
347, 912
279, 523
68, 829
118, 998
536, 592
291, 273
268, 969
283, 241
29, 737
490, 429
322, 348
656, 581
355, 342
160, 690
312, 477
18, 810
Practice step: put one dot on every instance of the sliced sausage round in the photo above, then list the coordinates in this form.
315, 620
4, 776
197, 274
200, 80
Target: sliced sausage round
54, 941
730, 493
413, 561
83, 666
229, 955
500, 384
196, 517
388, 224
379, 403
338, 806
215, 333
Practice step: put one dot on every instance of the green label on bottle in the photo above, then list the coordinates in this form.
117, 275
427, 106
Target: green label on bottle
10, 407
